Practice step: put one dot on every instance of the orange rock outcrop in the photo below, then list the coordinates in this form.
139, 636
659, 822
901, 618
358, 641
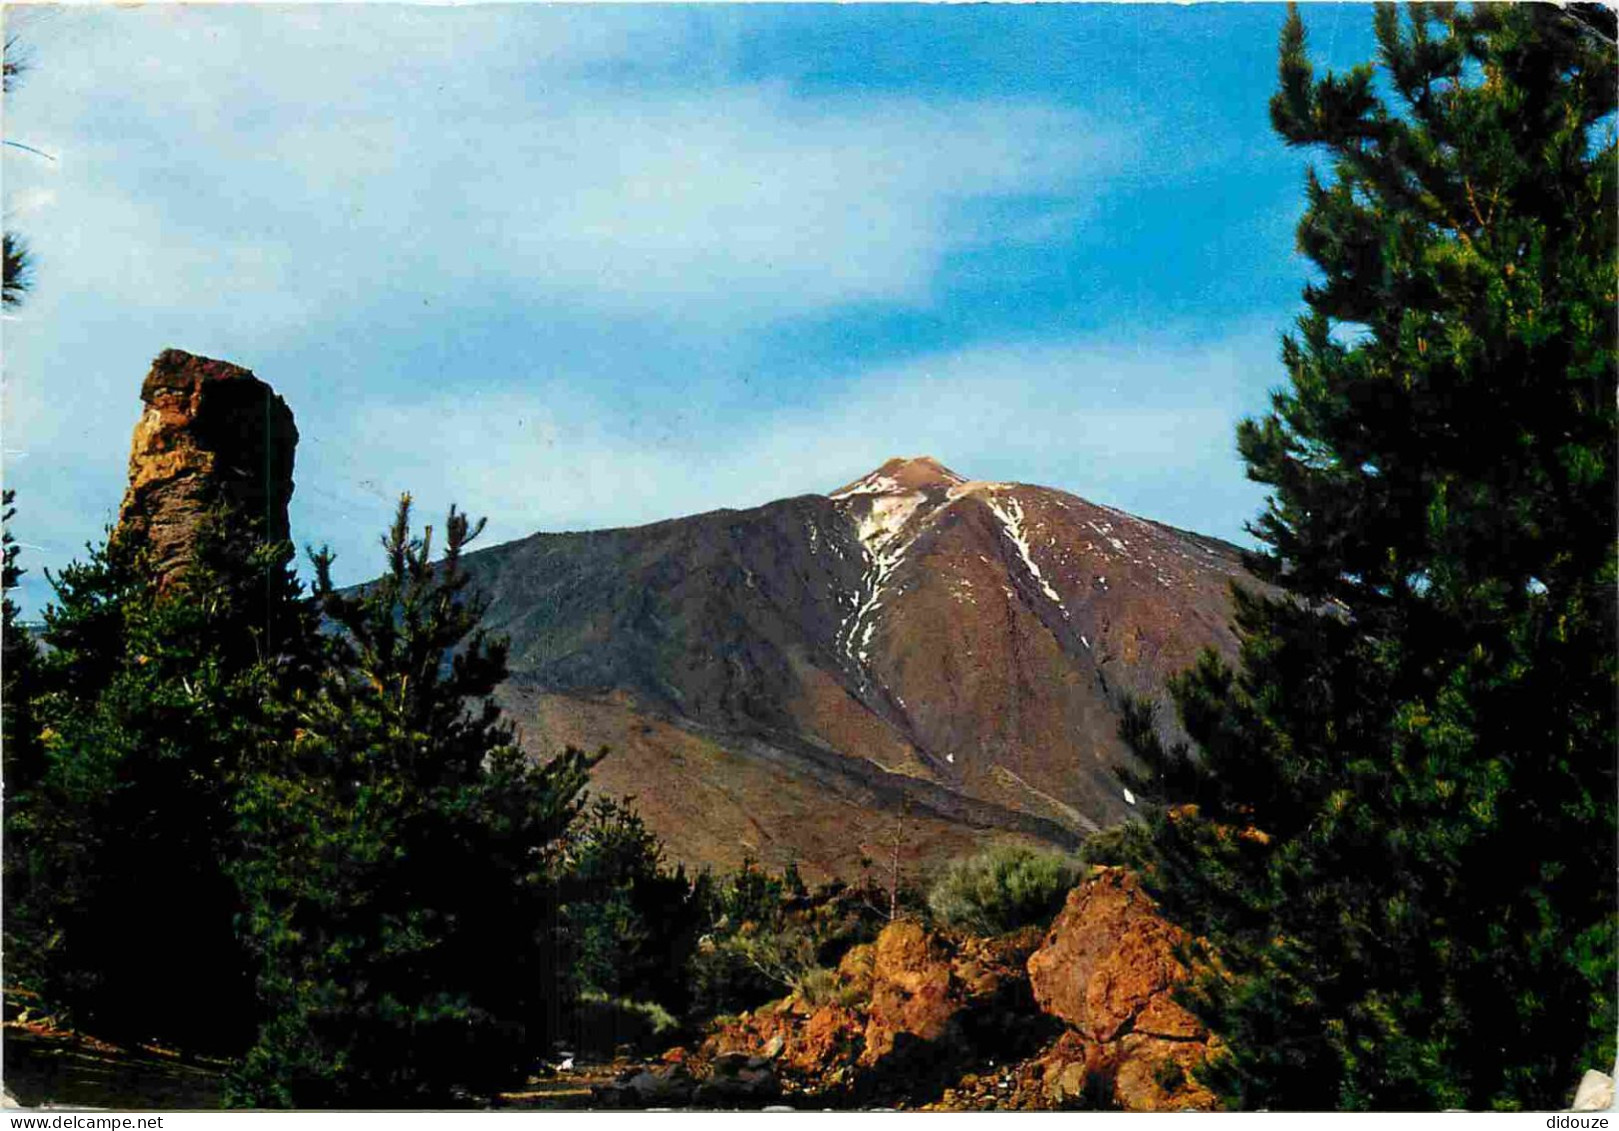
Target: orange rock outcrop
1109, 967
1081, 1016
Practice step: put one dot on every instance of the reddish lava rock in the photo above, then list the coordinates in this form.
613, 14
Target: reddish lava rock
911, 1013
912, 991
1109, 968
1081, 1016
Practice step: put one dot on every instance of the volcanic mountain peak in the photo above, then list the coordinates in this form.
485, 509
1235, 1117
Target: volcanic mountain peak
901, 475
789, 681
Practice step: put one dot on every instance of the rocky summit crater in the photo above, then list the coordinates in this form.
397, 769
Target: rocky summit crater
916, 662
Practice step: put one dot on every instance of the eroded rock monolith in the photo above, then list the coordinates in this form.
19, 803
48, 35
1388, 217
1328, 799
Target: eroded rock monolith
213, 439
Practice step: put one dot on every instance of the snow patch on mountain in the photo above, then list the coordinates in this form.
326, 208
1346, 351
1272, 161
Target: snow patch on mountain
880, 529
872, 485
889, 513
1009, 509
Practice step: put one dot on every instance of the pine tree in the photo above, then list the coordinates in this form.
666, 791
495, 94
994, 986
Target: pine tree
24, 757
17, 276
629, 922
17, 271
1395, 823
397, 855
147, 705
18, 670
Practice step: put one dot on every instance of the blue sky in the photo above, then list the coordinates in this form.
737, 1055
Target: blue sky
577, 267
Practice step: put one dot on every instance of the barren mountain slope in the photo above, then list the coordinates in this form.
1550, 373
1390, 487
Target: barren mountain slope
915, 657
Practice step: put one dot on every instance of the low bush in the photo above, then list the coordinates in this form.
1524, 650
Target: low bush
768, 936
753, 965
817, 986
1122, 845
1002, 889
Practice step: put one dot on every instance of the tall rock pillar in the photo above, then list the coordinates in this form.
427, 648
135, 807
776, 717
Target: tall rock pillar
212, 436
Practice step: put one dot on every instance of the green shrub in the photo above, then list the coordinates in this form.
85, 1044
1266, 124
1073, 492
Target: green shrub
1120, 846
744, 970
817, 986
1002, 889
767, 936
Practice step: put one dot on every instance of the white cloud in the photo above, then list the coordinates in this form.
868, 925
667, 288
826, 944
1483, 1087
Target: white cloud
295, 189
747, 199
1083, 412
300, 161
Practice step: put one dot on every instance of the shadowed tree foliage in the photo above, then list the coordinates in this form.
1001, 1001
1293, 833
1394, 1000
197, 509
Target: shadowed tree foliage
233, 830
17, 273
629, 920
17, 278
24, 761
146, 705
24, 757
396, 859
1395, 822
